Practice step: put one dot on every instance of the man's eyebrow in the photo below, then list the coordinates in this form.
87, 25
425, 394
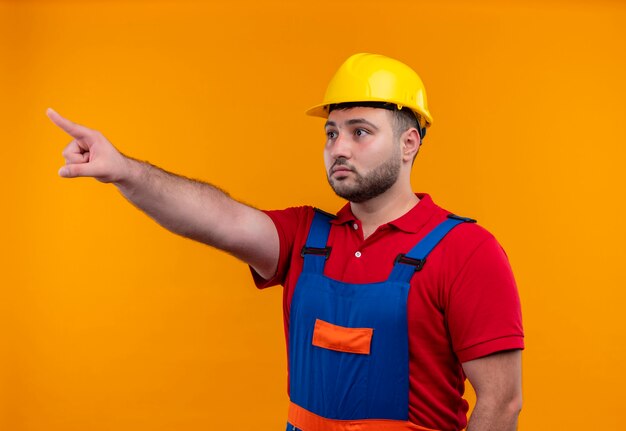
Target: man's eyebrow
352, 122
361, 121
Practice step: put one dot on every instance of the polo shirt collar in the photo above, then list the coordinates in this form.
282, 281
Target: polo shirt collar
410, 222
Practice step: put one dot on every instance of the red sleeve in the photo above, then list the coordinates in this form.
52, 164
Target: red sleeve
484, 313
289, 224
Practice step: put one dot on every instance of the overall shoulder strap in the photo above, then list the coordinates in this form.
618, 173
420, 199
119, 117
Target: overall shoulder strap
407, 264
315, 252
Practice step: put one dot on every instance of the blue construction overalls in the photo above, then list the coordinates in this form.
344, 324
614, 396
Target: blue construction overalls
348, 343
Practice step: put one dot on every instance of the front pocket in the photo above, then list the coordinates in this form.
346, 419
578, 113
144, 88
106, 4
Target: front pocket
342, 339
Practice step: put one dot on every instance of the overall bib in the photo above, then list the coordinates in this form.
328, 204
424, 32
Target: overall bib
348, 343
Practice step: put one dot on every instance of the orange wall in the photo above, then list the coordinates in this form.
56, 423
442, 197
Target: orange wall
109, 322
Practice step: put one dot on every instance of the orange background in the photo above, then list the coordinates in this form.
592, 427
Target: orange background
109, 322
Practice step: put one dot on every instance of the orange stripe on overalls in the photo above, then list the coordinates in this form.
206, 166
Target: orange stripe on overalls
302, 419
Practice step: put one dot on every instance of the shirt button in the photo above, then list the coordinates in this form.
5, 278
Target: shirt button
357, 254
355, 226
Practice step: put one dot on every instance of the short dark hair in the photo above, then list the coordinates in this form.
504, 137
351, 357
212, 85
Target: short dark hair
403, 119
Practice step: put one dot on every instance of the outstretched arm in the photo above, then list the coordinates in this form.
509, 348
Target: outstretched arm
497, 380
190, 208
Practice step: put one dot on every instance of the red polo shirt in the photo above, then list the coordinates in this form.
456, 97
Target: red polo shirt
462, 305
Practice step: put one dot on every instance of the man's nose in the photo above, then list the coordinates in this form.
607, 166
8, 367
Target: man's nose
341, 147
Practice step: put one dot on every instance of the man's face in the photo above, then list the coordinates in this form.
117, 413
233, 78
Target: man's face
361, 155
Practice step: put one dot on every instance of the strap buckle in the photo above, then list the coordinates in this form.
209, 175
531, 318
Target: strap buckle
316, 251
417, 263
465, 219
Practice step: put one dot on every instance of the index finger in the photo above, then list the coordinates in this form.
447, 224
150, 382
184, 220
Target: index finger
71, 128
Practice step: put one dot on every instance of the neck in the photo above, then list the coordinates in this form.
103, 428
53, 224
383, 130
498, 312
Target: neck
384, 208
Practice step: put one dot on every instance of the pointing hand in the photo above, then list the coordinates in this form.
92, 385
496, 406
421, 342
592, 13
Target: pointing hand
89, 154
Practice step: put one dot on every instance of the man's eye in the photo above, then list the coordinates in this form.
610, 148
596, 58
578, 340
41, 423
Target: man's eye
361, 132
331, 135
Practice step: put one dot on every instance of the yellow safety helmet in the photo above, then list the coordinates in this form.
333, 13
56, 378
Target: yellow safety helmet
375, 78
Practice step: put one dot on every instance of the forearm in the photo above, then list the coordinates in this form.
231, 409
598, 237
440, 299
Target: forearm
184, 206
494, 415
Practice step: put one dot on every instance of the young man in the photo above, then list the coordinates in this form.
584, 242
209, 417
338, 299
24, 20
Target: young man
390, 304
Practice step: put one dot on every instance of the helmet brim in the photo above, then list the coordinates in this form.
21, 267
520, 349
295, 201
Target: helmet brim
321, 110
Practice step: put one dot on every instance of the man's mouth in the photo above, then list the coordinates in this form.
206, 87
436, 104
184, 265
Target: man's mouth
340, 173
340, 169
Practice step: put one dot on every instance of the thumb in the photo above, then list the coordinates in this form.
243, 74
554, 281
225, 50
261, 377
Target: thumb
74, 170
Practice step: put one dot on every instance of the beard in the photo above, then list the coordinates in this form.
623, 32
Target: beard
367, 186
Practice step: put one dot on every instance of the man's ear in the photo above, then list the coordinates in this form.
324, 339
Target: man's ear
410, 144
